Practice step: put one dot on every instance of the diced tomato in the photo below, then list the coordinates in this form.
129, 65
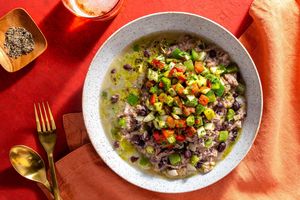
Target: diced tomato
167, 132
170, 146
161, 84
180, 123
195, 89
181, 76
153, 99
178, 101
178, 88
180, 138
170, 122
208, 83
149, 84
203, 100
203, 88
156, 136
198, 67
188, 110
172, 71
157, 64
190, 131
180, 68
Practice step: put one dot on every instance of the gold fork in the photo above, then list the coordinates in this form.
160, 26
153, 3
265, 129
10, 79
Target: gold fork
47, 137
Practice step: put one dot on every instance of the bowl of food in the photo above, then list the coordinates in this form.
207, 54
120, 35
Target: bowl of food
172, 102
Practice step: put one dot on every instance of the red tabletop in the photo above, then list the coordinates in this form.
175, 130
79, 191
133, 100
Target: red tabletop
57, 75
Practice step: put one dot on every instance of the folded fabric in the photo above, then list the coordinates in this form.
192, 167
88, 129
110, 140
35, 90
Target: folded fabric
271, 170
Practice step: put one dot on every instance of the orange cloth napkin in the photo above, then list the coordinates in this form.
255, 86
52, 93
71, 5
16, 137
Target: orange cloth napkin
271, 170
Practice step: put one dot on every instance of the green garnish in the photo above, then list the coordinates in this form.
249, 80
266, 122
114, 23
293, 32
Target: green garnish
223, 136
230, 114
174, 159
132, 99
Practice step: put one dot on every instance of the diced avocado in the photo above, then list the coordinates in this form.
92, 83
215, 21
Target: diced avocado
172, 92
177, 111
190, 121
215, 85
213, 69
153, 89
202, 55
150, 149
223, 136
174, 159
122, 122
209, 126
189, 65
176, 53
195, 55
191, 101
159, 124
219, 92
212, 78
171, 139
209, 113
152, 75
240, 89
205, 71
132, 99
200, 109
201, 81
201, 132
194, 159
211, 96
208, 143
230, 114
158, 106
149, 117
166, 82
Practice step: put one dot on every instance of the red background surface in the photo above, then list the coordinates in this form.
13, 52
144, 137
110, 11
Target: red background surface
57, 76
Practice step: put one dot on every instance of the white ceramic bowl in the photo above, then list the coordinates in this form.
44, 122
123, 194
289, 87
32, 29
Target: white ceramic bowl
169, 21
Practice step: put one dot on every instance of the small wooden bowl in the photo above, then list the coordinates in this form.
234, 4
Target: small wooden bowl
20, 18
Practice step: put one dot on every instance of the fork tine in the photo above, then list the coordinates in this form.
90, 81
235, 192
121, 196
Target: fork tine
46, 117
38, 124
51, 117
42, 118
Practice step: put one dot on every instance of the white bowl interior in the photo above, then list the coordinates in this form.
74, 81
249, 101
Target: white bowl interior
170, 21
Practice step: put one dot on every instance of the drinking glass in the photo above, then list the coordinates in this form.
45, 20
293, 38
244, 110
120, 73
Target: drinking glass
94, 9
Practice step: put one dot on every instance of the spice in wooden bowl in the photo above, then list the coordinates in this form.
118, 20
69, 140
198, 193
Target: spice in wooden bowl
21, 41
18, 42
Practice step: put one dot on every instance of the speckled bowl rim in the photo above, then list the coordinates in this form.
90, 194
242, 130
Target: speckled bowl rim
106, 151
